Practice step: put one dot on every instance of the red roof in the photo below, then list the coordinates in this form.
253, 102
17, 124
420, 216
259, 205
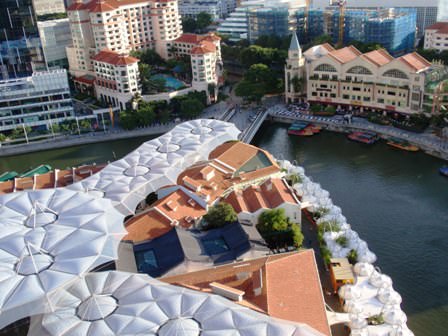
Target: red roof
378, 57
345, 55
201, 49
188, 38
211, 37
98, 6
440, 27
114, 58
87, 79
415, 61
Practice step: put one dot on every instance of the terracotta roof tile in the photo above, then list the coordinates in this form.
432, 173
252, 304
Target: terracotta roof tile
415, 61
440, 27
345, 55
378, 57
114, 58
188, 38
290, 286
146, 226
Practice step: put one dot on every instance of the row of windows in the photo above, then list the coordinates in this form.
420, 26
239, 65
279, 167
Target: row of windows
394, 73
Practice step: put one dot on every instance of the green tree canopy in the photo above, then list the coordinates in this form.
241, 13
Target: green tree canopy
219, 215
273, 220
191, 108
189, 25
203, 20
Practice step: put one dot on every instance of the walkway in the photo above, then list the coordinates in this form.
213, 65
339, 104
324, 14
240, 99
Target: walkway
427, 141
309, 231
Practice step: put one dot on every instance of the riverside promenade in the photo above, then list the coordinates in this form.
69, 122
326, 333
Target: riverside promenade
428, 142
220, 111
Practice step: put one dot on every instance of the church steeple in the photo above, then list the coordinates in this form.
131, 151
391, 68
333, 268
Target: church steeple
295, 51
294, 45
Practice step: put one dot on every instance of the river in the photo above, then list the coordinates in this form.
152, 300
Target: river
395, 200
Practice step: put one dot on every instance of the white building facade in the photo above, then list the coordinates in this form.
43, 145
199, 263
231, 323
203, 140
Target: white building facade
436, 36
373, 80
442, 15
43, 7
38, 101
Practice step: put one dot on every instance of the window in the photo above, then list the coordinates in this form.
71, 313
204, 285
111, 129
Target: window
395, 73
360, 70
325, 68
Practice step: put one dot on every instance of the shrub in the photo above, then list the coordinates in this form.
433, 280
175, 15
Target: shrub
352, 257
326, 255
329, 226
293, 179
219, 215
342, 240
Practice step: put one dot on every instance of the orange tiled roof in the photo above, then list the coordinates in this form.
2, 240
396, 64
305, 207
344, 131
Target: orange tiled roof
269, 195
99, 6
327, 46
188, 38
146, 226
290, 286
378, 57
440, 27
114, 58
202, 49
415, 61
345, 55
211, 37
234, 154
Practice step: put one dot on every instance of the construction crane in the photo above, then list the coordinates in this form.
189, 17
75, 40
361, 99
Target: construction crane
341, 4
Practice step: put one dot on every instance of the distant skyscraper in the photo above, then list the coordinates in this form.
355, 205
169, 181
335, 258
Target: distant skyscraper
43, 7
20, 46
443, 11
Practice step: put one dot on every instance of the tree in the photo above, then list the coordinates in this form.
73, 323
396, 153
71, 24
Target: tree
203, 20
189, 25
85, 124
55, 128
273, 220
2, 137
191, 108
128, 120
316, 108
219, 215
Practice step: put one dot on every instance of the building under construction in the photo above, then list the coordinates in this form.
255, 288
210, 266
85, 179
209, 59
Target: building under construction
393, 28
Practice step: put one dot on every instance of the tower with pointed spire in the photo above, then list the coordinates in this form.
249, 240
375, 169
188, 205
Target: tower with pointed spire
294, 71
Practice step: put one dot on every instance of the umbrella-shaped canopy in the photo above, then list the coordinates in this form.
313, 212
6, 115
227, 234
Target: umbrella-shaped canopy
360, 332
380, 280
363, 269
401, 331
349, 292
156, 163
389, 296
118, 303
353, 307
47, 239
394, 316
357, 322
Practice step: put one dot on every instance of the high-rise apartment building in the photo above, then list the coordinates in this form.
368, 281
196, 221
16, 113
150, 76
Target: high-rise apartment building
116, 27
20, 47
55, 36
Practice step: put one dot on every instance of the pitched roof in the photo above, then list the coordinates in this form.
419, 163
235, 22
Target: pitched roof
294, 42
440, 27
99, 6
345, 55
378, 57
203, 48
114, 58
188, 38
290, 283
415, 61
269, 195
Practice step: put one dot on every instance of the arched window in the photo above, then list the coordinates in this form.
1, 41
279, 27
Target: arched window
359, 70
395, 73
325, 67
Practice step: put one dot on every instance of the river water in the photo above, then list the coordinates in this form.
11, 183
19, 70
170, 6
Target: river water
395, 200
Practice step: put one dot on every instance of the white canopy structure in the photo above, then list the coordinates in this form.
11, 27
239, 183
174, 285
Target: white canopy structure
157, 163
47, 239
363, 269
118, 303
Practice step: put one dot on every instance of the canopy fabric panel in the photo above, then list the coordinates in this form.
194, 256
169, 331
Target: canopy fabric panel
48, 238
157, 163
119, 303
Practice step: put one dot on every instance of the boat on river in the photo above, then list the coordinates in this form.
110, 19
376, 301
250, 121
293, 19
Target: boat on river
303, 129
363, 137
444, 171
7, 176
402, 144
39, 170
